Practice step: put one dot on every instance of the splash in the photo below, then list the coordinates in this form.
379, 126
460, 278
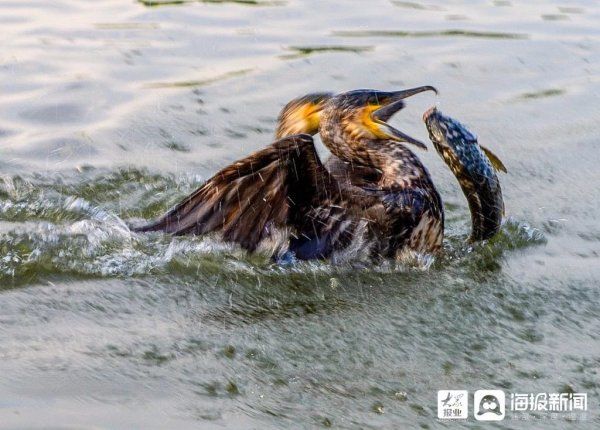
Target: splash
75, 227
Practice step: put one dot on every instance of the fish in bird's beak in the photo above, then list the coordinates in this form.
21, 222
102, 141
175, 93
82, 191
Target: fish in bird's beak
474, 166
390, 103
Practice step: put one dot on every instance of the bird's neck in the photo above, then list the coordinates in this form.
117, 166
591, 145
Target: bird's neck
400, 166
393, 159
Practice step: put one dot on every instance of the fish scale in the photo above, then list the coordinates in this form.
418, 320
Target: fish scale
475, 172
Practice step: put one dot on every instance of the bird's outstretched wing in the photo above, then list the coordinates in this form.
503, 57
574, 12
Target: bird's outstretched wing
278, 186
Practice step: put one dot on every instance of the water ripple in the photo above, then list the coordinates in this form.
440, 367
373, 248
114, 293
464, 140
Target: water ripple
433, 33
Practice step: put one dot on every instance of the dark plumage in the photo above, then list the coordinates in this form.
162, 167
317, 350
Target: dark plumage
374, 196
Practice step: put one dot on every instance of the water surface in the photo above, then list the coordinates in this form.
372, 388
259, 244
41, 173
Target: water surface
112, 111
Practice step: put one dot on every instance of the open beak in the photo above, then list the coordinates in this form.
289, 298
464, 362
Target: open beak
396, 103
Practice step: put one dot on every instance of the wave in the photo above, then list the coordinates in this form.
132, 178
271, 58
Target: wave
74, 227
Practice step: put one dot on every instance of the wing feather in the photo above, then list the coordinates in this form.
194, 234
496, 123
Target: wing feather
276, 186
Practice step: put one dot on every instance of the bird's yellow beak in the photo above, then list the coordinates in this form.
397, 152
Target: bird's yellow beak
375, 116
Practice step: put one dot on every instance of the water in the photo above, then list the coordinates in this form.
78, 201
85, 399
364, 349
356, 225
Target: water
112, 111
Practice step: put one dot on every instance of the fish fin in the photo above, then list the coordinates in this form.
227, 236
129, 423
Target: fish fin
496, 162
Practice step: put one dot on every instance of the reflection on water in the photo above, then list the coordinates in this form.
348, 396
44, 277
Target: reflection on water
554, 17
199, 82
305, 51
157, 3
544, 93
113, 113
441, 33
419, 6
127, 26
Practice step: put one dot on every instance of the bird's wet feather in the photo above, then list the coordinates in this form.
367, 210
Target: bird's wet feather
374, 197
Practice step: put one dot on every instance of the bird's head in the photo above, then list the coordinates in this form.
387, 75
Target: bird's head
302, 115
361, 115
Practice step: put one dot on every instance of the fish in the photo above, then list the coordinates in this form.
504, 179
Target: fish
475, 167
